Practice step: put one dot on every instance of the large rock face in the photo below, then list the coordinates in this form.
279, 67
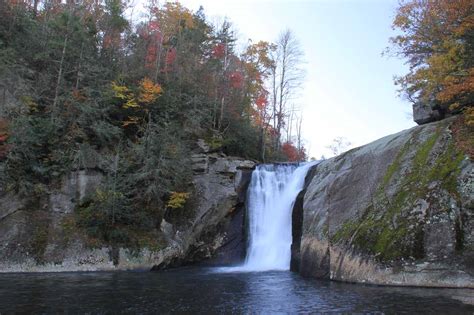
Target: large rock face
397, 211
41, 236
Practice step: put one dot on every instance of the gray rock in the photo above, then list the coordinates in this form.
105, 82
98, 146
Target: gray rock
203, 147
423, 114
74, 188
389, 213
167, 229
37, 236
200, 163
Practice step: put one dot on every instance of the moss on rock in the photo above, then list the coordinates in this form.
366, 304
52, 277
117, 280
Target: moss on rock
388, 228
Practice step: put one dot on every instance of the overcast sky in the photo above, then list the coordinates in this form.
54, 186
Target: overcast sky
349, 91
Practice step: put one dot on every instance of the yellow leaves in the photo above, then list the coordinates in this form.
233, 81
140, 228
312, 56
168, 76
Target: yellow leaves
132, 120
173, 18
177, 200
124, 93
121, 91
107, 195
30, 103
469, 116
149, 91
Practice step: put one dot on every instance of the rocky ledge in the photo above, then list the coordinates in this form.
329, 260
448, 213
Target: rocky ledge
42, 237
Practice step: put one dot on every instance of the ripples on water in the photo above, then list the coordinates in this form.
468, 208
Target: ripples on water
193, 290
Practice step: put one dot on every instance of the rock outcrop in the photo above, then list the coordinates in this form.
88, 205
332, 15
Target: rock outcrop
423, 114
41, 235
398, 211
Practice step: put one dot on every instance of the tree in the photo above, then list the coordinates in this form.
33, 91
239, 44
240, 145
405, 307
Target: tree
287, 78
258, 66
339, 145
292, 153
437, 39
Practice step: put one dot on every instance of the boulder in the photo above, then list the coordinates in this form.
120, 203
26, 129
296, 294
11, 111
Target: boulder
423, 114
397, 211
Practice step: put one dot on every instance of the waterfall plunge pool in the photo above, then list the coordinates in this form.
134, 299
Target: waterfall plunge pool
202, 290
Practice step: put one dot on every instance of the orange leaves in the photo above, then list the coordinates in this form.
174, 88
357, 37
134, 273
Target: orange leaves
455, 86
149, 91
78, 95
137, 101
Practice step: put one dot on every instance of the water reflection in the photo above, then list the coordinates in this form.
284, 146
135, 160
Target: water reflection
193, 290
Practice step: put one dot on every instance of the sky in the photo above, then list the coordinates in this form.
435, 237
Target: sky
349, 90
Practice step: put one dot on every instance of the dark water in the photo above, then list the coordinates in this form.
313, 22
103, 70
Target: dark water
198, 290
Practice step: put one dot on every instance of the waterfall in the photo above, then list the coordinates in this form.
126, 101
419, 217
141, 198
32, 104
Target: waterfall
271, 195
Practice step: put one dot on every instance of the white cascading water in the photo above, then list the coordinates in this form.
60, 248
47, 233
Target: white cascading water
271, 195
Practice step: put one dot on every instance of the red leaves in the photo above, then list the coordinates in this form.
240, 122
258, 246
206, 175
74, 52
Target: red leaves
261, 115
153, 27
218, 51
112, 39
4, 147
236, 80
152, 34
261, 102
170, 59
292, 153
151, 56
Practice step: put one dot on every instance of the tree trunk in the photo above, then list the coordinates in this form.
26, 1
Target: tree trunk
78, 73
262, 144
60, 74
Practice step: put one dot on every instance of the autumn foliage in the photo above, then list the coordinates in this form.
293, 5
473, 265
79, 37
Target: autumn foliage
3, 138
438, 42
292, 153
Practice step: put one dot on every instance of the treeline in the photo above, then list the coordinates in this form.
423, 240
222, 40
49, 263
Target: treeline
83, 87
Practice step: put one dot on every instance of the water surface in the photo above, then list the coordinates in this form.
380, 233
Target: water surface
202, 290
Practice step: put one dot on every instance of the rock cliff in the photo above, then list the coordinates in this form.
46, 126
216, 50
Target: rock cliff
398, 211
41, 236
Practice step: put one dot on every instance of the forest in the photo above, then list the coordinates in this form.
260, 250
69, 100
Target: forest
84, 85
